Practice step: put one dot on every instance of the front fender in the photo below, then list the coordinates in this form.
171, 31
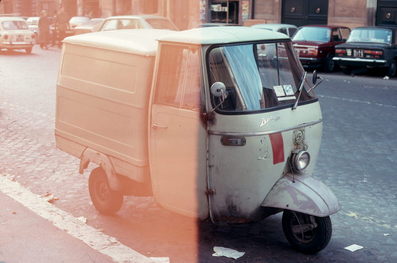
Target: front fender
302, 194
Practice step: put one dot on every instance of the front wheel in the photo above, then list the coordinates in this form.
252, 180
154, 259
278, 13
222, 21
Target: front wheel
105, 200
306, 233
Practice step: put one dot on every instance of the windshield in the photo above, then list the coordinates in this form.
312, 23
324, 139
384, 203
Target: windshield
318, 34
371, 35
14, 25
161, 23
257, 76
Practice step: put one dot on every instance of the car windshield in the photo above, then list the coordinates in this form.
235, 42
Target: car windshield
257, 76
318, 34
378, 35
14, 25
159, 23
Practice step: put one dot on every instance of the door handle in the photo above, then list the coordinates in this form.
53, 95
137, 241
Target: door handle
158, 126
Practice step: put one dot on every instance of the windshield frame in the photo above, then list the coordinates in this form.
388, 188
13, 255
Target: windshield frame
307, 86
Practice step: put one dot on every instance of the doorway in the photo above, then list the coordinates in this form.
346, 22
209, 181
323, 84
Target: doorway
224, 11
386, 13
305, 12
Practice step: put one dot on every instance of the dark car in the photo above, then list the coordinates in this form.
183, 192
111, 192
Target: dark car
316, 45
369, 47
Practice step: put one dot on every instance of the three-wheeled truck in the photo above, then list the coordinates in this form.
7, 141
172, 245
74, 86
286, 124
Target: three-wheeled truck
218, 123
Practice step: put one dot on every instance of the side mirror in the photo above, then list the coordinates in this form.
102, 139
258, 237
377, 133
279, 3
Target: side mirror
218, 90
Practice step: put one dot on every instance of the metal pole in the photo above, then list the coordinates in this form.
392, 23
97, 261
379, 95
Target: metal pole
227, 12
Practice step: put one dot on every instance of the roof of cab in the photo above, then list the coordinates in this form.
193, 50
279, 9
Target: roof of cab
222, 35
143, 41
137, 41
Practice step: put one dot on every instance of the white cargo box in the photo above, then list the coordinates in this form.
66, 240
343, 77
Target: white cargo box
102, 96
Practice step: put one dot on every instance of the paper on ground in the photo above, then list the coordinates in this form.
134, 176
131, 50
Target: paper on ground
353, 247
227, 252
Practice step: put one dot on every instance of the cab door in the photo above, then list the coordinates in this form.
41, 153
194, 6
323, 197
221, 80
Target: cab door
177, 136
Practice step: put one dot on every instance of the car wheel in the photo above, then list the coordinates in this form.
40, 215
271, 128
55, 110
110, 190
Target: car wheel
329, 64
105, 200
391, 71
306, 233
28, 50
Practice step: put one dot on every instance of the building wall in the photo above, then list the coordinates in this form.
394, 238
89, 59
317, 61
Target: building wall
351, 13
269, 11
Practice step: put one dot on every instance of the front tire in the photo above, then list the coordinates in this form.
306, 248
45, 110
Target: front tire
105, 200
306, 233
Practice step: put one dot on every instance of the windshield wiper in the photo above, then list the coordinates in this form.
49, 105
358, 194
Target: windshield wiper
300, 91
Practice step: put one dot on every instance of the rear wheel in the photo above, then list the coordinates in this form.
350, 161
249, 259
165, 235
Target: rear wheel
105, 200
391, 71
306, 233
329, 64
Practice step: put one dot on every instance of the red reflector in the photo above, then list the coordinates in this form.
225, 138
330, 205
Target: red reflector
373, 52
340, 51
278, 147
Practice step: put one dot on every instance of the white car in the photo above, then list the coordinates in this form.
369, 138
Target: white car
77, 21
136, 22
15, 34
287, 29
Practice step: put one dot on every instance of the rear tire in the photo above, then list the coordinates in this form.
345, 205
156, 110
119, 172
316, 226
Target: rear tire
105, 200
392, 69
306, 233
329, 64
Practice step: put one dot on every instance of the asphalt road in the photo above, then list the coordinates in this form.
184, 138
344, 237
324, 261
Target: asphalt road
358, 161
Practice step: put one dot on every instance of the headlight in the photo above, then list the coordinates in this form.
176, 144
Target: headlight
300, 161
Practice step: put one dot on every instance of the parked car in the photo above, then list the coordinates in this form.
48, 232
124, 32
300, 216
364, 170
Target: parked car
88, 27
287, 29
316, 45
136, 22
77, 20
368, 47
15, 34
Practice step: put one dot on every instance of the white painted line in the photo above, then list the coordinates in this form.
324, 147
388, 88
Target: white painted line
97, 240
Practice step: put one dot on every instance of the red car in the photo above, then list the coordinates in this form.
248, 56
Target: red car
316, 45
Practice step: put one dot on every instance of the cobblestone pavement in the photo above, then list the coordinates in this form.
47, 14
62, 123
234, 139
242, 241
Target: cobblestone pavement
357, 161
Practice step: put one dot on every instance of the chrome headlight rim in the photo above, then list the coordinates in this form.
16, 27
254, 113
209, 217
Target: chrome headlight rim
300, 161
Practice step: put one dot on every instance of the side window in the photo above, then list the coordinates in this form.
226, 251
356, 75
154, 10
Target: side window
129, 24
345, 32
179, 75
283, 30
335, 36
291, 31
109, 25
